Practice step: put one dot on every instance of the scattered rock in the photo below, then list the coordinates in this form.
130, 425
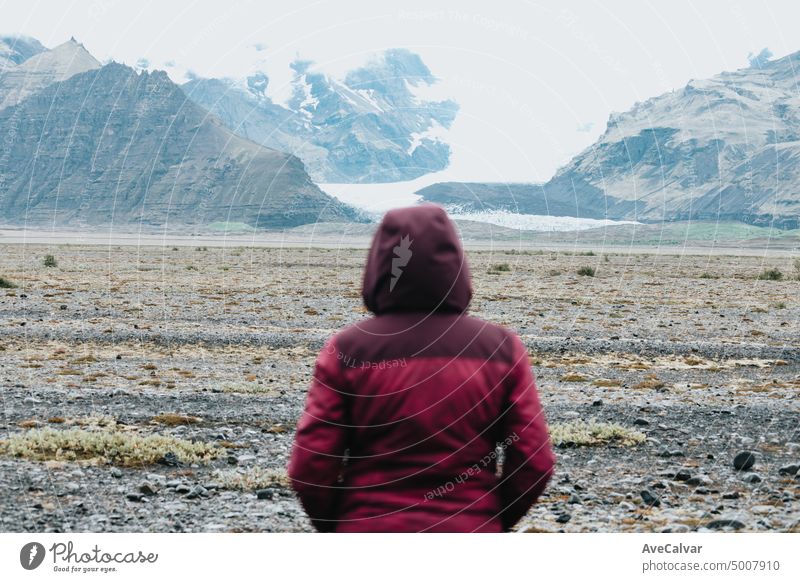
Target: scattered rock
597, 402
731, 495
683, 475
744, 461
197, 491
563, 518
641, 422
650, 498
116, 473
574, 498
699, 480
725, 523
676, 528
266, 494
753, 478
790, 470
170, 460
148, 488
138, 497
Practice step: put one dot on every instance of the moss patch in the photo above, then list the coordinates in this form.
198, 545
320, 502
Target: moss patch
114, 446
592, 434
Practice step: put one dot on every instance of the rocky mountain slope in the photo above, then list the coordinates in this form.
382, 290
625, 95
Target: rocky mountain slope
725, 148
110, 145
368, 127
42, 70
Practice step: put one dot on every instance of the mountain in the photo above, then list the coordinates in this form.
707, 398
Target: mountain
43, 69
16, 49
110, 145
724, 148
369, 127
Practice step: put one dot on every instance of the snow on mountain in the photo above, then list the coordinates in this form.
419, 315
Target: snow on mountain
369, 127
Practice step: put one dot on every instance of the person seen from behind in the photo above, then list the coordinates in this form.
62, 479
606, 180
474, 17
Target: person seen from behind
421, 418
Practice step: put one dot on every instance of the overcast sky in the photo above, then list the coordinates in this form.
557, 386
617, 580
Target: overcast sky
536, 81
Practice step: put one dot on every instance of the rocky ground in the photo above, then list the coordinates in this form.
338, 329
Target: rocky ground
216, 346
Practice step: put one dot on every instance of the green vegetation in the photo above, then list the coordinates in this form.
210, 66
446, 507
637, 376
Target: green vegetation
586, 271
499, 268
773, 274
7, 284
50, 261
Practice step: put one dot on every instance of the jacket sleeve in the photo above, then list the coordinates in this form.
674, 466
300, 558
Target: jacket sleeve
529, 460
320, 441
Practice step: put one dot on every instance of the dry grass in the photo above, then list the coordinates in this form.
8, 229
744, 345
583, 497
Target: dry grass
170, 419
592, 434
109, 445
252, 478
651, 383
606, 382
571, 377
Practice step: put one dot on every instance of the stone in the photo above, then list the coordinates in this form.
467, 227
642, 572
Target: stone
725, 523
563, 518
676, 528
753, 478
197, 491
135, 497
762, 509
790, 470
683, 475
148, 488
699, 480
170, 460
265, 494
731, 495
641, 422
650, 498
744, 461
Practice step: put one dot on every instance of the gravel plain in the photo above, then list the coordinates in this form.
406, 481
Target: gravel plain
216, 345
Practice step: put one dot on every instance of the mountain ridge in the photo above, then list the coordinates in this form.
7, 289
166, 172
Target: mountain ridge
723, 148
110, 145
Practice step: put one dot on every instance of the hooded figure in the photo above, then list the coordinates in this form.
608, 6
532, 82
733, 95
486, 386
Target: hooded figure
421, 418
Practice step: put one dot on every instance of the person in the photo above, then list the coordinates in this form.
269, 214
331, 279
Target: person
420, 418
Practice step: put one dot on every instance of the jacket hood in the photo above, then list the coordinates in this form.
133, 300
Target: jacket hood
416, 263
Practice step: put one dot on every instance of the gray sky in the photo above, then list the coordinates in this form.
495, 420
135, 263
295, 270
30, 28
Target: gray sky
536, 81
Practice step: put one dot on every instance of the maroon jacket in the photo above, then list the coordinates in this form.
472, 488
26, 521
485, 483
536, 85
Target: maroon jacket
408, 409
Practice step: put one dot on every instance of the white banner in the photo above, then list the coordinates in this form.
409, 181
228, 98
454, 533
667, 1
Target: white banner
406, 558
